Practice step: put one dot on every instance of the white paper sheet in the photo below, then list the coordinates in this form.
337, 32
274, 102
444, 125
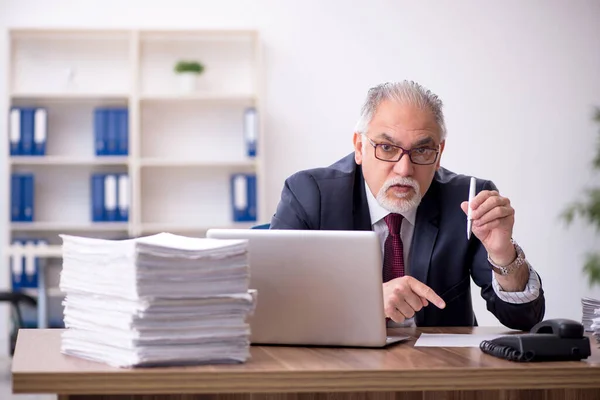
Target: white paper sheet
453, 340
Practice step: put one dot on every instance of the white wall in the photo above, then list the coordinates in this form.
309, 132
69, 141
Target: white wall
519, 80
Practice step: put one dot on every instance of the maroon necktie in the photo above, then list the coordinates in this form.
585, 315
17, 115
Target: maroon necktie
393, 255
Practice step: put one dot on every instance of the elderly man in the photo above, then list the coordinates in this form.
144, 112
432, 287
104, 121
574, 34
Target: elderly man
393, 184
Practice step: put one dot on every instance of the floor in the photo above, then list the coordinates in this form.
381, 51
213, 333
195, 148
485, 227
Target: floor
6, 386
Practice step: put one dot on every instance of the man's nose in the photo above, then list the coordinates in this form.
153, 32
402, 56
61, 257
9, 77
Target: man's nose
404, 167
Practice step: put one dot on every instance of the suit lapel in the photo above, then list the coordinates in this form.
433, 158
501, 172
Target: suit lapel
425, 234
360, 206
424, 237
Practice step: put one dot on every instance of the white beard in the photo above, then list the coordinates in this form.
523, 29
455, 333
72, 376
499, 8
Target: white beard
399, 203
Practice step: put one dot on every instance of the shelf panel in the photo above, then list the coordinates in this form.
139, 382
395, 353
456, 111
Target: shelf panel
230, 62
65, 160
36, 251
69, 96
165, 162
57, 226
70, 63
201, 97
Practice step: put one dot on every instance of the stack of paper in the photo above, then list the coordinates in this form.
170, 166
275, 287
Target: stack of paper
590, 311
157, 300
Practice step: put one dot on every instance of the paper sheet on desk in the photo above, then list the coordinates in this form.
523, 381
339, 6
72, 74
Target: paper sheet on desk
453, 340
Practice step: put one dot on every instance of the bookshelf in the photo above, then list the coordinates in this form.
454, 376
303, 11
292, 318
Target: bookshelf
183, 147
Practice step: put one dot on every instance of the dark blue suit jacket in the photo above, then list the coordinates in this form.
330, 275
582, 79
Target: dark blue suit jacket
333, 198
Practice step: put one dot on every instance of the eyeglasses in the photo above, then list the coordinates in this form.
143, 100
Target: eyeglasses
390, 153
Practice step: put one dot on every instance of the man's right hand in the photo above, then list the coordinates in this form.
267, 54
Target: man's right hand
403, 297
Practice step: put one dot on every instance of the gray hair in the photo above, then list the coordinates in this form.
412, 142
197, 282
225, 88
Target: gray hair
402, 92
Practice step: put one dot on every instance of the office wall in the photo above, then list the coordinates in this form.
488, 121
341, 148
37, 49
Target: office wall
519, 80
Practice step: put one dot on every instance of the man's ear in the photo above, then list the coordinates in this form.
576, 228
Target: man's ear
439, 160
358, 145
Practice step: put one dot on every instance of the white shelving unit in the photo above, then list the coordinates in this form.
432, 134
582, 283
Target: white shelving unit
183, 147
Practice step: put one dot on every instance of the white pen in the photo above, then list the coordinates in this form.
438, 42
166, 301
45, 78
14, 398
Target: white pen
471, 195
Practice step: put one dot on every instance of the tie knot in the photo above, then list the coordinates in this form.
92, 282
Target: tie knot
393, 221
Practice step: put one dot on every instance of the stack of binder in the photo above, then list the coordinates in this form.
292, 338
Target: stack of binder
111, 131
157, 300
24, 267
110, 197
27, 131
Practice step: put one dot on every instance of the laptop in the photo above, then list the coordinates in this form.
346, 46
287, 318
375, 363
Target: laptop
315, 288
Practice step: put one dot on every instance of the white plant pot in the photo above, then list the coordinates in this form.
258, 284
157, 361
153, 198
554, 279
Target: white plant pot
187, 82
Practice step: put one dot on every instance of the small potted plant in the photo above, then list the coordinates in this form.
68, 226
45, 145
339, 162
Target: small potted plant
188, 72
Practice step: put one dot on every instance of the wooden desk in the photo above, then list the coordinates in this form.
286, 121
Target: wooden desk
299, 373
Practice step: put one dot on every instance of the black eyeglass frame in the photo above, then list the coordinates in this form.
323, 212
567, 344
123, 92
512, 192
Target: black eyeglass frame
404, 151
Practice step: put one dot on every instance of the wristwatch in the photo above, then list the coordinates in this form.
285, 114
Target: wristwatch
513, 266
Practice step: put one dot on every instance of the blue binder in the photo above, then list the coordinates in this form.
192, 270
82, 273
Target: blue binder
243, 197
27, 130
100, 123
97, 196
16, 212
111, 197
251, 130
40, 131
112, 132
123, 198
27, 197
31, 267
16, 270
123, 132
14, 133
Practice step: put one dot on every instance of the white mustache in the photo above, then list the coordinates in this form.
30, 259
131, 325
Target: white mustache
399, 180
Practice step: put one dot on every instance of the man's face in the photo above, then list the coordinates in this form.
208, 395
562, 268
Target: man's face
399, 186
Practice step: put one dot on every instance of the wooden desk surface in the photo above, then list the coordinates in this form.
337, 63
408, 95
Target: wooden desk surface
39, 367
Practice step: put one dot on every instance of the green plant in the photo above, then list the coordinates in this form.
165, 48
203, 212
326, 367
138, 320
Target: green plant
589, 209
189, 66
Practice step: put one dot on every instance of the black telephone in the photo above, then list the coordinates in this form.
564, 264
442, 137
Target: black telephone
550, 340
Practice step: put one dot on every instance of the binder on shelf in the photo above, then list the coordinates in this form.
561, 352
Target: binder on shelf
27, 130
111, 131
110, 197
24, 266
16, 266
123, 132
100, 121
243, 197
16, 195
251, 130
31, 263
97, 196
15, 132
27, 185
40, 131
22, 197
123, 197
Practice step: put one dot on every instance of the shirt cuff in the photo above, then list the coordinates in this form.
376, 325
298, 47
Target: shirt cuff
531, 292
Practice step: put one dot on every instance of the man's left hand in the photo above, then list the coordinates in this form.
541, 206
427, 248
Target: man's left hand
493, 221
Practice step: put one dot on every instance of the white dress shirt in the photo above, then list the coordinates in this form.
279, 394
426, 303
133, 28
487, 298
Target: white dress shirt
377, 213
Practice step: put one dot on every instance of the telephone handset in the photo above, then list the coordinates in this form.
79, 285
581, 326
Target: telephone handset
550, 340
